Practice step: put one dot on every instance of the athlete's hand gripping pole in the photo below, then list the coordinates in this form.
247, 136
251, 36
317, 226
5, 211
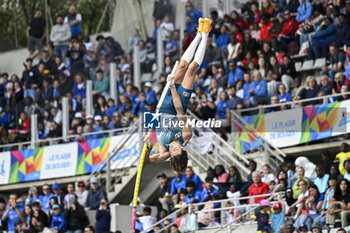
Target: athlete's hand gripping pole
144, 150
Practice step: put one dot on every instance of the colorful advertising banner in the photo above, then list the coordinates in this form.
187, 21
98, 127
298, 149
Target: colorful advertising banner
295, 126
71, 159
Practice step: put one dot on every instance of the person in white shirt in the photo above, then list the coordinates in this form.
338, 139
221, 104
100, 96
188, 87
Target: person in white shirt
82, 193
147, 220
266, 175
167, 27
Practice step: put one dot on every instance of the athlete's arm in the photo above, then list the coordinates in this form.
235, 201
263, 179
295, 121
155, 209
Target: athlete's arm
161, 156
186, 130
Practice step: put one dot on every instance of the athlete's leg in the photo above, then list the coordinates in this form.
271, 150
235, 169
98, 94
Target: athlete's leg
188, 80
188, 54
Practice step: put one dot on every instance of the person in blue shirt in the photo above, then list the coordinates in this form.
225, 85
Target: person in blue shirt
321, 180
223, 39
235, 73
111, 108
258, 90
192, 194
304, 11
141, 105
45, 198
98, 124
209, 190
74, 21
283, 95
221, 108
191, 27
151, 97
170, 46
79, 89
58, 223
194, 13
13, 213
248, 85
194, 177
234, 102
177, 184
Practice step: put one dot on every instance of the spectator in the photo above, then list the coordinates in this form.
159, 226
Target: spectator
146, 219
36, 32
57, 192
177, 184
193, 12
75, 215
73, 19
267, 175
262, 216
41, 228
33, 195
342, 156
223, 39
60, 36
304, 11
95, 195
209, 190
288, 73
58, 223
30, 79
339, 204
277, 216
76, 55
165, 200
327, 198
235, 73
311, 92
81, 193
134, 39
258, 90
170, 46
322, 179
205, 218
205, 109
257, 188
166, 26
79, 89
13, 213
220, 174
103, 217
101, 85
192, 194
45, 198
304, 194
343, 31
190, 175
39, 214
89, 229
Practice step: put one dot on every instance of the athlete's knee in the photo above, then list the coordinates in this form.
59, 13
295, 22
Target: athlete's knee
183, 65
193, 67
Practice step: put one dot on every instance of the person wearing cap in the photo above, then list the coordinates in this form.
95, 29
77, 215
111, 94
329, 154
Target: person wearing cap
45, 198
316, 228
257, 188
277, 216
98, 124
150, 94
81, 193
101, 84
95, 195
57, 192
262, 216
170, 46
60, 36
58, 223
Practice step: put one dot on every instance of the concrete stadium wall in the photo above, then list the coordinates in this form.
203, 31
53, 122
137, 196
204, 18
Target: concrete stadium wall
12, 61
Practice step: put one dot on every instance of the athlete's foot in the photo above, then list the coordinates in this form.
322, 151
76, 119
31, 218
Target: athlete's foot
207, 25
200, 25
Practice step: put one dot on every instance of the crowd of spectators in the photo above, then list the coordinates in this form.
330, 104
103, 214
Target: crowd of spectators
56, 211
247, 63
310, 197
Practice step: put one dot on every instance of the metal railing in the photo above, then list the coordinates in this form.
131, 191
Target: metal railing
21, 145
292, 103
219, 143
251, 207
266, 144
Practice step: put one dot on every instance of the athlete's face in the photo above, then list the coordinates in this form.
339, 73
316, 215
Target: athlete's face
175, 148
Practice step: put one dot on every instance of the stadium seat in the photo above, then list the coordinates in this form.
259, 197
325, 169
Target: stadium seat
307, 65
319, 63
298, 66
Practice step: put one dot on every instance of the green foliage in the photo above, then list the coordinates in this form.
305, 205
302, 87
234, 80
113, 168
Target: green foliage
23, 11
